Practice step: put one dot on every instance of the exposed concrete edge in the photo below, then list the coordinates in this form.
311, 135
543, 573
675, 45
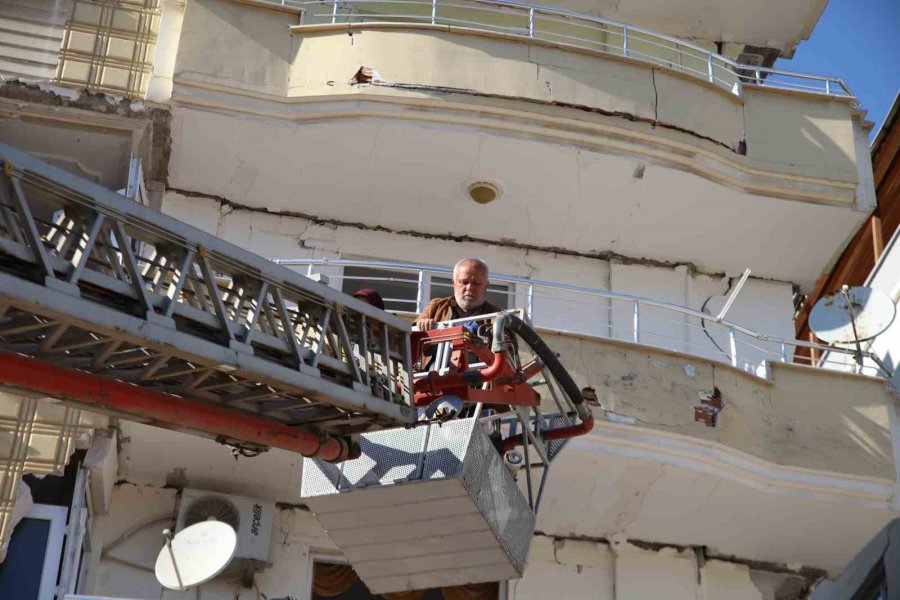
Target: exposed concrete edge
17, 109
626, 345
603, 133
775, 366
720, 460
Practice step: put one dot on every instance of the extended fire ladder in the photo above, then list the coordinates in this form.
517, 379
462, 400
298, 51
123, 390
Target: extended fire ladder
242, 349
116, 307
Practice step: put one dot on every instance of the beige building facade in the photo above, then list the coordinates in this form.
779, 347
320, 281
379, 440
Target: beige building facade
642, 156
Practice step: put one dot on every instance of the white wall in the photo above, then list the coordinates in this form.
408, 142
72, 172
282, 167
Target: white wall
130, 536
761, 305
886, 278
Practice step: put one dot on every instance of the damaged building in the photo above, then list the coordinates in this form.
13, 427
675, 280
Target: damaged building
653, 195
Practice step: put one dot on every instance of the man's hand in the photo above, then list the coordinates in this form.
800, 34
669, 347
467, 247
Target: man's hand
424, 324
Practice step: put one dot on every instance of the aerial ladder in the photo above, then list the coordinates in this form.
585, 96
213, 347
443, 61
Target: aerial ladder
112, 306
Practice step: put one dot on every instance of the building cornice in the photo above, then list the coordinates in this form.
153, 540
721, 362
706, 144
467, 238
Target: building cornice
622, 439
19, 109
526, 118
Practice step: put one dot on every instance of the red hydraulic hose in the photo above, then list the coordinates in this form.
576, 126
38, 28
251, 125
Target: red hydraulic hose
496, 367
164, 410
436, 384
563, 433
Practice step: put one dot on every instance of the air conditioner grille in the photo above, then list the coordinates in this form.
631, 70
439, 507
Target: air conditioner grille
212, 506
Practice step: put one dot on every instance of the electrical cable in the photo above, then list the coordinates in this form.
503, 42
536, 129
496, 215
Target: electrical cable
703, 321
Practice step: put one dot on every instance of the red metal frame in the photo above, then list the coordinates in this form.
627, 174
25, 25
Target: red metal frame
508, 385
163, 410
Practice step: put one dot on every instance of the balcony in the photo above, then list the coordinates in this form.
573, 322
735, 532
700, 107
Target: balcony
558, 28
810, 439
636, 131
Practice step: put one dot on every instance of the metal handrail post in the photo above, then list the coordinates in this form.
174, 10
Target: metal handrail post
531, 22
733, 344
709, 67
637, 322
433, 11
625, 41
420, 293
530, 305
334, 12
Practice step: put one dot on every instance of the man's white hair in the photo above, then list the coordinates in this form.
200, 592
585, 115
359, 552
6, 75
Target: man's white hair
477, 262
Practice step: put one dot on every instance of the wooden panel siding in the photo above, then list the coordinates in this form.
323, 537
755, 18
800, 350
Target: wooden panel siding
864, 250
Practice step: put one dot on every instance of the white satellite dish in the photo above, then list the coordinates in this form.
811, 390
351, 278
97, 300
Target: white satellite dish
852, 315
197, 554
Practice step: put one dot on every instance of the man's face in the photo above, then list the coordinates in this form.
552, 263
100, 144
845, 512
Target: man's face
469, 286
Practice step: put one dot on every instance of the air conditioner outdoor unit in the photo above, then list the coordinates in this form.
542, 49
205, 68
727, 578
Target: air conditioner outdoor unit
251, 519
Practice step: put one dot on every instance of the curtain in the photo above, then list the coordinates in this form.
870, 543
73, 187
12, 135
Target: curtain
473, 591
332, 580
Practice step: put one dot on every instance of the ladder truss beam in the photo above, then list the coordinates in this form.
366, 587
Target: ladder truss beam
93, 281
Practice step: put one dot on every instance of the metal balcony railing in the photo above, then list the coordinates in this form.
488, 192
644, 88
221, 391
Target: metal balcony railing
566, 29
589, 312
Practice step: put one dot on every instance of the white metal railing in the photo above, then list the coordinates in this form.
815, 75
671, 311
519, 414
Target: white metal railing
583, 311
565, 28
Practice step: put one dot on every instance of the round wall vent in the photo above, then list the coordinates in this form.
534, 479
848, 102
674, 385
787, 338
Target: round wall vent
483, 192
214, 507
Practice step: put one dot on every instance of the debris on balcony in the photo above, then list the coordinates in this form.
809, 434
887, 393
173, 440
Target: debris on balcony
710, 407
366, 75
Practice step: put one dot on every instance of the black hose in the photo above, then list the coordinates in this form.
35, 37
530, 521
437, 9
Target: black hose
543, 351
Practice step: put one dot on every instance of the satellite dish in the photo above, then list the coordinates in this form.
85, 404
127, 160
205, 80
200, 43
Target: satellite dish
194, 556
852, 315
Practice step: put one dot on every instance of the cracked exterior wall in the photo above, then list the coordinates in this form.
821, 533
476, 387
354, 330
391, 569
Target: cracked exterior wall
819, 134
763, 305
128, 538
672, 104
805, 418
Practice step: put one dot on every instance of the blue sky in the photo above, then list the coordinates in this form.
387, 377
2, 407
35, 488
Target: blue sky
858, 41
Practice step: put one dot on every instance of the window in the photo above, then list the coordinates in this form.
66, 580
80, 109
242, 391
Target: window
399, 289
32, 560
108, 45
338, 581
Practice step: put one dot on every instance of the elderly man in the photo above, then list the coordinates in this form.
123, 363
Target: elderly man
470, 282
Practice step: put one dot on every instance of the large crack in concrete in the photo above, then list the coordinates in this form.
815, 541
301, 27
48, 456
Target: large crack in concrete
740, 146
507, 243
810, 574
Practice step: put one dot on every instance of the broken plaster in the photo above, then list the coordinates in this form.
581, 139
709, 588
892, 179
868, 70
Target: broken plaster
606, 255
586, 552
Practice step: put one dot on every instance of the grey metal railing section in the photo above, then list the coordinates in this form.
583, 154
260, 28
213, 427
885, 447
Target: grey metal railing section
566, 29
583, 311
94, 281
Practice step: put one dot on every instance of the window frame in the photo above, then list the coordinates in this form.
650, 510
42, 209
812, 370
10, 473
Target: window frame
55, 541
424, 285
